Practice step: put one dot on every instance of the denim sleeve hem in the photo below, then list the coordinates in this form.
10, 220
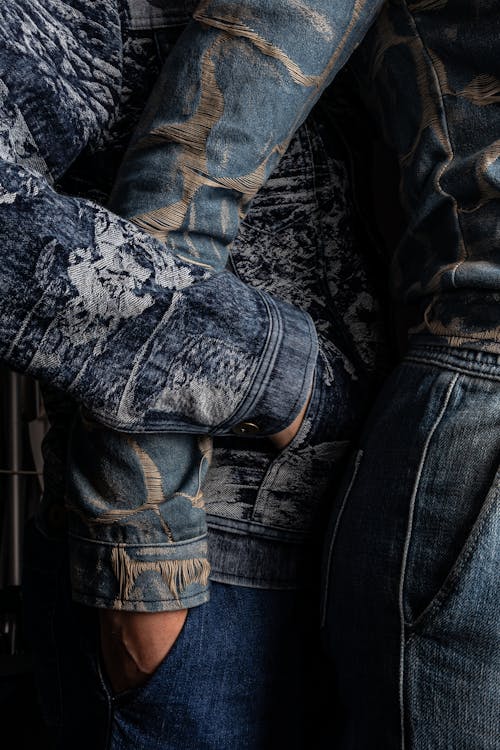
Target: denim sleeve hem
281, 385
139, 577
160, 605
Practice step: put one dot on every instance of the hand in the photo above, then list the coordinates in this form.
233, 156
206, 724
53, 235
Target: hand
134, 643
285, 437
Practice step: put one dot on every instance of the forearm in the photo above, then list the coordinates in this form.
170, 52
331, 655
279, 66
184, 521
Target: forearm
146, 340
238, 83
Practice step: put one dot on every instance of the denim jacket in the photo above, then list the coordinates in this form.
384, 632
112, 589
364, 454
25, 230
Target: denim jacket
154, 340
123, 322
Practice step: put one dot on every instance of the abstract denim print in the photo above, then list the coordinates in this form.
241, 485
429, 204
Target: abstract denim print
430, 73
148, 552
299, 227
155, 314
39, 327
117, 288
141, 541
138, 293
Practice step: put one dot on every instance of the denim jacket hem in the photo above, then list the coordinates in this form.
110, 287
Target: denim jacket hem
259, 562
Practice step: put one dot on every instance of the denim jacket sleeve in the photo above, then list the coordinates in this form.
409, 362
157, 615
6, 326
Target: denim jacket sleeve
160, 338
182, 181
145, 339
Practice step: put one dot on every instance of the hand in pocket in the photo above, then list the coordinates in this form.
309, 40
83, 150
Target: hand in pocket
133, 644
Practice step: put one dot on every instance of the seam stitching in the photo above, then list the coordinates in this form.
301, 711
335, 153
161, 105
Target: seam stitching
355, 471
406, 548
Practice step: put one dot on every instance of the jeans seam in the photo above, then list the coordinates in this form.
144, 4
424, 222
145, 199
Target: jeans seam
109, 700
406, 548
357, 463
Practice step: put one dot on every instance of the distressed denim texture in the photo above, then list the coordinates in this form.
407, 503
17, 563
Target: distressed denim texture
411, 585
429, 71
135, 505
108, 314
179, 169
301, 46
268, 648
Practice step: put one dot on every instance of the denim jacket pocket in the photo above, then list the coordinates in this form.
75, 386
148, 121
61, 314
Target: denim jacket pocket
297, 479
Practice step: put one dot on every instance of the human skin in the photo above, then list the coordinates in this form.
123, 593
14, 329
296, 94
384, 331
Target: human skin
341, 28
133, 644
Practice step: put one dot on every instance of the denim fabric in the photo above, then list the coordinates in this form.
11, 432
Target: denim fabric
103, 302
136, 521
150, 336
412, 587
426, 68
430, 74
110, 316
194, 163
136, 518
242, 674
114, 286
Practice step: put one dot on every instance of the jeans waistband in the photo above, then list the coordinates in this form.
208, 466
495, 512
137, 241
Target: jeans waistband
460, 359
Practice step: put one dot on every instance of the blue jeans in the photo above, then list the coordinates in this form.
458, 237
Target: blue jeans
411, 611
241, 675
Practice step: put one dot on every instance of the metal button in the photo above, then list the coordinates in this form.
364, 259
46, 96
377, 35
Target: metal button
246, 428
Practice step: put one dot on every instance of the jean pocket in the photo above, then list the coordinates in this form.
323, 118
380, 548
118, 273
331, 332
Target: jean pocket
454, 488
297, 479
159, 679
285, 493
295, 486
472, 566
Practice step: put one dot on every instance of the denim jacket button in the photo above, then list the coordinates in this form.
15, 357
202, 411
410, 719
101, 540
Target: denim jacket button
246, 428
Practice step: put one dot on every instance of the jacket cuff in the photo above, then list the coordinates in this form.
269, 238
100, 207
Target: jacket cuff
284, 379
136, 518
138, 577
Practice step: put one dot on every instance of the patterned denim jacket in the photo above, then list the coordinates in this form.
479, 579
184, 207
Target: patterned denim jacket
155, 340
110, 316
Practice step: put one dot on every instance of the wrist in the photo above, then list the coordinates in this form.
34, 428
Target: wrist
285, 437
